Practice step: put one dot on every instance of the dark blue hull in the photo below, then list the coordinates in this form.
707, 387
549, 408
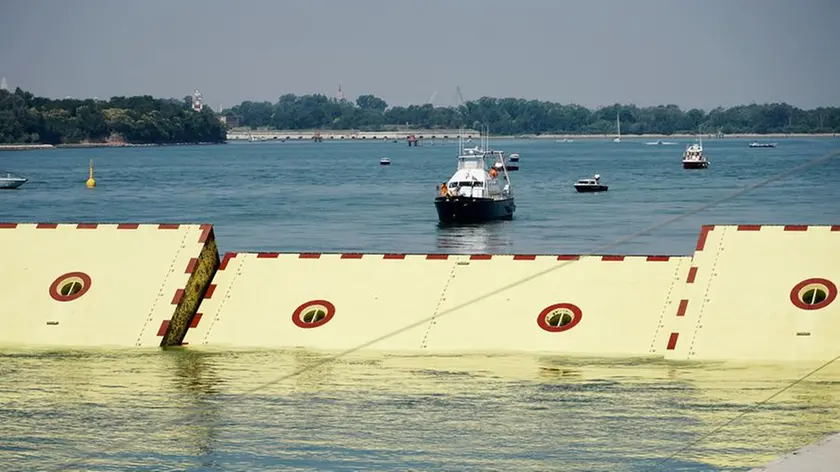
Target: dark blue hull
473, 210
591, 188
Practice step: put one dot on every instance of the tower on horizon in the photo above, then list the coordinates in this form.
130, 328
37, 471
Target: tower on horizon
196, 102
3, 84
340, 94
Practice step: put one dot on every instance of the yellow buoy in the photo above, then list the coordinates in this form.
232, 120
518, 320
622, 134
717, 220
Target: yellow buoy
91, 182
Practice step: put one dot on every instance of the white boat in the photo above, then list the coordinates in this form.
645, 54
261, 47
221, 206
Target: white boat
384, 161
511, 164
476, 192
693, 157
756, 144
11, 181
618, 128
564, 140
591, 185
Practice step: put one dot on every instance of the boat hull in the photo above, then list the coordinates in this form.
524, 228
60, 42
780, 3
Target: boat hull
695, 164
8, 184
473, 210
591, 188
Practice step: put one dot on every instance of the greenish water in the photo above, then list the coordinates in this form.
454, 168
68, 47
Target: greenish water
188, 409
196, 410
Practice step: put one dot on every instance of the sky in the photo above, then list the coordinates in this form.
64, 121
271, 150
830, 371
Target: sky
693, 53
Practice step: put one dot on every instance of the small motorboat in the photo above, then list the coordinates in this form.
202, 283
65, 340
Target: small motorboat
11, 181
693, 157
591, 185
384, 161
513, 157
756, 144
509, 166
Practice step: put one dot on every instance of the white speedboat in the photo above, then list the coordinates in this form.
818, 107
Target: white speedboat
11, 181
591, 185
384, 161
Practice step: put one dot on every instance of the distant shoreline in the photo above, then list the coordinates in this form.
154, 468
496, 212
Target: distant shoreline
425, 134
401, 136
32, 147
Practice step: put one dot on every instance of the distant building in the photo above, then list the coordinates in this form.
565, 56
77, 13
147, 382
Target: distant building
196, 101
230, 121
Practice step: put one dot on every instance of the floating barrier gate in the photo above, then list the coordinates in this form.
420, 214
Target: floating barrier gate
748, 293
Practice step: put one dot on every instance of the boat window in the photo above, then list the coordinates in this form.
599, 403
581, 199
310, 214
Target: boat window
466, 184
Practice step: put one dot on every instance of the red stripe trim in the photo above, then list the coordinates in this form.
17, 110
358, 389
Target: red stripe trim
352, 256
226, 259
692, 273
568, 257
796, 228
309, 255
749, 227
128, 226
612, 258
163, 325
210, 290
658, 258
524, 257
206, 230
835, 228
672, 341
481, 257
704, 233
179, 294
46, 226
87, 225
191, 265
168, 226
268, 255
8, 225
437, 257
393, 256
682, 308
194, 323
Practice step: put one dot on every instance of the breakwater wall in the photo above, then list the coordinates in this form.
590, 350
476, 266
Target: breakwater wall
349, 135
748, 292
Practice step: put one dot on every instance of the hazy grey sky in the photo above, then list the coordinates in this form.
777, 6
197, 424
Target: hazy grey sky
701, 53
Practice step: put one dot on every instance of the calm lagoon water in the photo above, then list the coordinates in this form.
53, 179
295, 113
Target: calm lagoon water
192, 409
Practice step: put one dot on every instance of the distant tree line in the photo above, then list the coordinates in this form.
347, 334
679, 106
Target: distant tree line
25, 118
512, 116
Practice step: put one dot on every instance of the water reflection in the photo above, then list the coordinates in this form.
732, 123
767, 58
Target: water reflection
493, 237
202, 409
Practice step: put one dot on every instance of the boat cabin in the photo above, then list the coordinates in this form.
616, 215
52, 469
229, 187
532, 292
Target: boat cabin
693, 152
472, 179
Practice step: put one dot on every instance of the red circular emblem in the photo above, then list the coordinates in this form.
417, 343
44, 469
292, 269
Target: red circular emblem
70, 286
559, 317
313, 314
813, 294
